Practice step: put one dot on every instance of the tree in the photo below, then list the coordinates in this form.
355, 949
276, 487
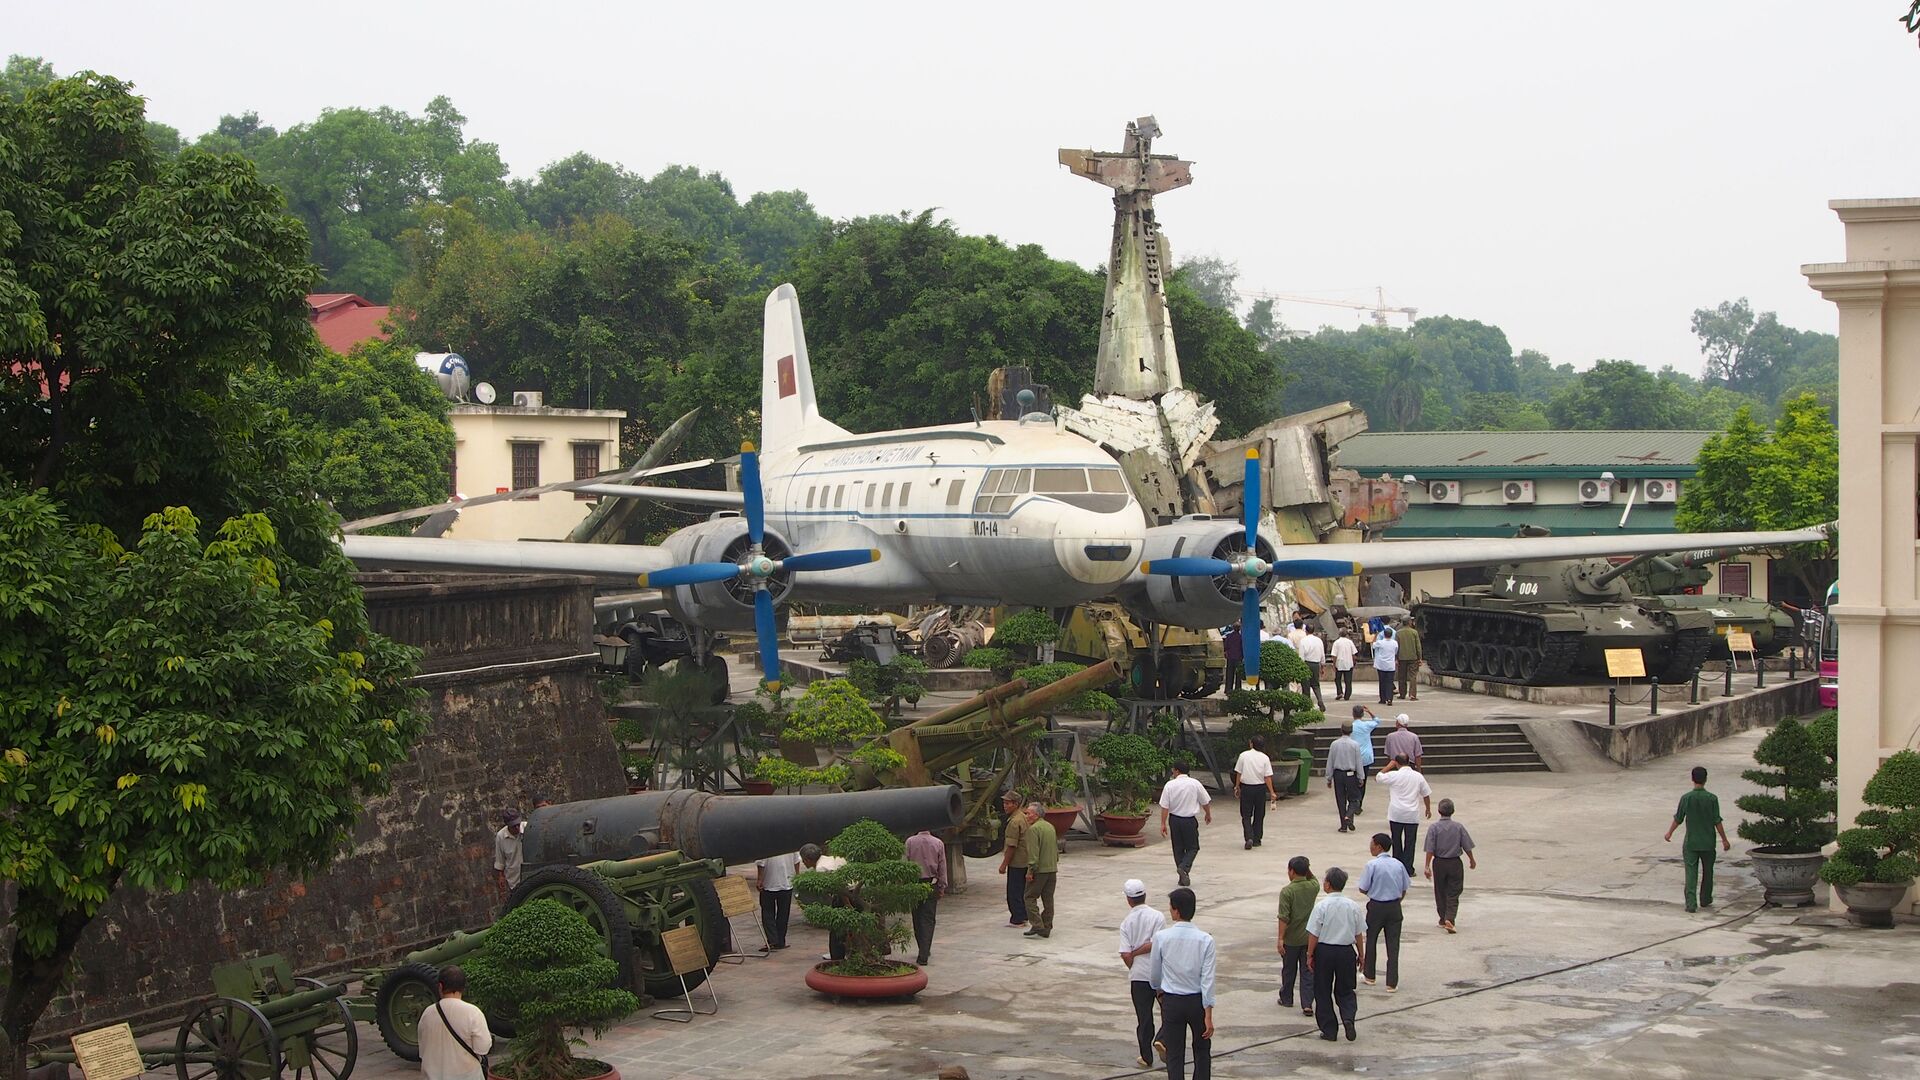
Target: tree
1750, 479
1213, 279
1408, 377
1466, 356
546, 967
1503, 411
577, 188
1758, 356
1619, 395
1799, 817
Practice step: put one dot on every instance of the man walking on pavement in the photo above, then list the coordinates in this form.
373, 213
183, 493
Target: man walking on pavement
1343, 774
1363, 724
1409, 799
1136, 941
1013, 858
1446, 842
1408, 640
1343, 650
1313, 652
929, 853
1253, 782
1699, 811
1043, 869
1183, 967
1402, 742
1386, 654
775, 881
1336, 945
1181, 801
1296, 907
1384, 882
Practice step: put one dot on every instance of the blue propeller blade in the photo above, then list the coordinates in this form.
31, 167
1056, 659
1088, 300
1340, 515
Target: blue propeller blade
690, 574
769, 635
1187, 566
1250, 499
753, 499
1296, 569
1250, 632
830, 560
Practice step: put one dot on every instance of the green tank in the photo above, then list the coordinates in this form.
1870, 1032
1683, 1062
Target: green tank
1669, 579
1550, 623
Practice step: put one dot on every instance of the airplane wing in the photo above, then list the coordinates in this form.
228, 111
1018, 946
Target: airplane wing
608, 562
726, 500
1390, 556
589, 485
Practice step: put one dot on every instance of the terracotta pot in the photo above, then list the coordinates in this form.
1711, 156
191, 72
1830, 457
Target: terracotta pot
1062, 818
635, 789
865, 986
611, 1073
1787, 876
756, 787
1872, 902
1123, 824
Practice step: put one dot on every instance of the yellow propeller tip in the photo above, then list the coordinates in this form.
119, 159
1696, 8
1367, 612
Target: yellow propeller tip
873, 554
746, 447
641, 581
1358, 569
1253, 454
773, 684
1146, 566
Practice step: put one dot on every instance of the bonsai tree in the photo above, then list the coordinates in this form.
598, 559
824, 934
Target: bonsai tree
1795, 814
783, 774
1050, 779
1085, 702
1027, 630
544, 967
890, 683
833, 712
999, 661
682, 699
1280, 666
856, 900
1130, 767
1882, 845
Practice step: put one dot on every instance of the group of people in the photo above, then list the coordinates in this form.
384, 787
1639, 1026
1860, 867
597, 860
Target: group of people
1395, 654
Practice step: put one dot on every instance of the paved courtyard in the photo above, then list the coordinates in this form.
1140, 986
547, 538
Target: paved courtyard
1574, 955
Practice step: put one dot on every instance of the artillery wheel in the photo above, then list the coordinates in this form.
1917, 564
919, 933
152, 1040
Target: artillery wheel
226, 1039
695, 903
1210, 684
332, 1046
405, 994
589, 894
1172, 676
981, 847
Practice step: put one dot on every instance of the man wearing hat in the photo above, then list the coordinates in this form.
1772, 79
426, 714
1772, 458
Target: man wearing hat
1013, 857
506, 850
1136, 941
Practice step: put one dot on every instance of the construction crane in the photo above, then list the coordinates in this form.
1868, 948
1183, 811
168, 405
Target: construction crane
1379, 307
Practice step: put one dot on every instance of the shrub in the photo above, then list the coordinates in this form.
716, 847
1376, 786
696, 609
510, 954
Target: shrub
855, 900
1882, 845
890, 683
1027, 629
832, 712
1130, 767
543, 966
1268, 713
988, 657
1798, 816
1280, 666
781, 773
1086, 701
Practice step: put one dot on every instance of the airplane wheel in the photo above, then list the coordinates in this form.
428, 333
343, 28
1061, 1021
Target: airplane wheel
1140, 680
1173, 676
715, 667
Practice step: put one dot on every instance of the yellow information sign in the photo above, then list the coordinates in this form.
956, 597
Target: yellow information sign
735, 897
1626, 664
109, 1053
1739, 641
685, 951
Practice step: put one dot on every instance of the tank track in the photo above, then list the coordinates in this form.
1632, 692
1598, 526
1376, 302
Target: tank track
1683, 659
1495, 646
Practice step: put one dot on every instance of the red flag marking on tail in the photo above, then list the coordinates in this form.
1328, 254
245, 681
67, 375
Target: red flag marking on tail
788, 388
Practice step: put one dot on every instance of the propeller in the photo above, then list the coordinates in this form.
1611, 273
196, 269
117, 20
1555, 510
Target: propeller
1249, 568
757, 567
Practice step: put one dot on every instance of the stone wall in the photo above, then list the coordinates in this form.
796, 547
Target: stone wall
515, 708
1639, 741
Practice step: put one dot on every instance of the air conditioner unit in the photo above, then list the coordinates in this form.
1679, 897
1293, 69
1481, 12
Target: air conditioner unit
1596, 492
1661, 491
528, 399
1517, 492
1444, 492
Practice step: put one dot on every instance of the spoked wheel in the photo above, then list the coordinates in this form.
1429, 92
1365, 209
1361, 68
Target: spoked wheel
226, 1039
405, 994
694, 903
327, 1052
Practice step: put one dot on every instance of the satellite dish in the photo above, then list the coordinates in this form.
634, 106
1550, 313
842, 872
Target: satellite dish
484, 393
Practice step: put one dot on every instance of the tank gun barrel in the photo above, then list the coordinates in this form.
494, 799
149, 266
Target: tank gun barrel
1606, 578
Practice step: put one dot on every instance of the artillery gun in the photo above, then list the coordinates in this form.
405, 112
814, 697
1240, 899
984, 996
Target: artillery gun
1673, 581
637, 866
1550, 623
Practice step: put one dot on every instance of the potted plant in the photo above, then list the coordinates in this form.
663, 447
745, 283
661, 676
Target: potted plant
777, 772
543, 966
1031, 631
999, 661
860, 901
832, 713
639, 770
1793, 818
889, 684
1053, 782
1130, 766
1877, 861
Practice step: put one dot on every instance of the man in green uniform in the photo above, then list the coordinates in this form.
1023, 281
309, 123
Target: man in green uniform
1043, 867
1296, 905
1699, 811
1013, 859
1408, 636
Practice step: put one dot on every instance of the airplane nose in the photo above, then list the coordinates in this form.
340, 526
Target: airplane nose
1096, 549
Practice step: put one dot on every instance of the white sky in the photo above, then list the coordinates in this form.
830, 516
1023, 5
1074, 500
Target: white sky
1584, 176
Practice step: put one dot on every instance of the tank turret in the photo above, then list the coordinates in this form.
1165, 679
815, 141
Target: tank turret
1675, 581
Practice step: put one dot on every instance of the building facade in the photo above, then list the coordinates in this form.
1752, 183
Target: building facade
501, 448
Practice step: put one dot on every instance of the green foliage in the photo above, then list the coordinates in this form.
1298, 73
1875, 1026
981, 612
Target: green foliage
1752, 479
833, 712
781, 773
1884, 845
1280, 666
1086, 701
1131, 766
1048, 778
988, 657
856, 899
1028, 629
1764, 360
1824, 730
890, 683
1799, 817
544, 966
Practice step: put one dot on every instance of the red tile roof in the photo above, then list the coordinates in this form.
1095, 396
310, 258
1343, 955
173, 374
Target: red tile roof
343, 320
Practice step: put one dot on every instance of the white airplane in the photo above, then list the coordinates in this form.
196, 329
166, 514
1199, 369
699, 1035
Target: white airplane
1014, 512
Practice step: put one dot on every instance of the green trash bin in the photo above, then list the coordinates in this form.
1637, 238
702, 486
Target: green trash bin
1303, 777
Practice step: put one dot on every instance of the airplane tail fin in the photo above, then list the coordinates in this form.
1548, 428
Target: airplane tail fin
789, 415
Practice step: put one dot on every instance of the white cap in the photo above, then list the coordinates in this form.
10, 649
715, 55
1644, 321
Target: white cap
1402, 718
1134, 887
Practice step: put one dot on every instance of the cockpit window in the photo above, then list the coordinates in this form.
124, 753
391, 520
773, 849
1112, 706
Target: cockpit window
1051, 481
1108, 481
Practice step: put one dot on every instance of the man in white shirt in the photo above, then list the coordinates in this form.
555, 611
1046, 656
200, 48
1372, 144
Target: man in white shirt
1136, 941
1253, 782
775, 880
1386, 663
1408, 795
1343, 653
506, 851
1295, 632
446, 1025
1183, 969
1336, 944
1313, 652
1181, 801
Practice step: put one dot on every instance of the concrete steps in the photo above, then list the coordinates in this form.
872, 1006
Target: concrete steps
1454, 748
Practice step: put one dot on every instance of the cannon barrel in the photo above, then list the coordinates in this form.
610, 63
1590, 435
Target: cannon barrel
1605, 577
735, 828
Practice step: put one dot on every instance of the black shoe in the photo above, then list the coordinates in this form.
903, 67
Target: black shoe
1256, 843
1329, 1036
1184, 880
1248, 846
1351, 1034
1033, 931
1046, 933
922, 961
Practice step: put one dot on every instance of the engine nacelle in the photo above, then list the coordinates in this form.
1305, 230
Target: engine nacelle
721, 605
1200, 602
